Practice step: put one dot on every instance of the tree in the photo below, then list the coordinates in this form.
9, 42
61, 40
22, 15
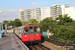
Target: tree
5, 21
11, 23
14, 23
65, 28
25, 22
62, 19
17, 22
33, 21
47, 24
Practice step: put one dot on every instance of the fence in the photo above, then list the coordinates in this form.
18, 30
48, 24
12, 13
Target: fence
9, 31
45, 34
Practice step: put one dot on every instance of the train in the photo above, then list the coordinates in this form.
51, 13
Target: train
29, 33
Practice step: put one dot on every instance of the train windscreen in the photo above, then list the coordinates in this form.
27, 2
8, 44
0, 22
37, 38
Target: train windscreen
36, 29
31, 30
25, 31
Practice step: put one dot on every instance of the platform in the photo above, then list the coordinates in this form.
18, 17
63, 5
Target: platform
11, 43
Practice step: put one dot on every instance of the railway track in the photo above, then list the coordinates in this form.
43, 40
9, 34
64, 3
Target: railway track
59, 43
38, 47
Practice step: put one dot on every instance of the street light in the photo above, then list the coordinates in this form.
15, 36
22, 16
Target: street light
2, 23
0, 11
6, 27
0, 28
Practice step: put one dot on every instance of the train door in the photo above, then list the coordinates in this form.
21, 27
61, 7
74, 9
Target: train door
37, 33
25, 34
31, 31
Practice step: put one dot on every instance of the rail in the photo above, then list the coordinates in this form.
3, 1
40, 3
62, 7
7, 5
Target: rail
38, 47
59, 43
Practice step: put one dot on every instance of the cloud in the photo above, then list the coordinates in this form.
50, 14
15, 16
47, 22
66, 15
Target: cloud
34, 3
8, 14
5, 13
9, 10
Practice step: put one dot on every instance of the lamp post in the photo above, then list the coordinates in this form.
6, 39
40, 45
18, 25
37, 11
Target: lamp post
0, 11
6, 27
1, 23
0, 28
0, 31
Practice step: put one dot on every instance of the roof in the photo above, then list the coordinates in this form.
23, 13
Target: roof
20, 27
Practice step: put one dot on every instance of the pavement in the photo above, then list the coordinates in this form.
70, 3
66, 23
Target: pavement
10, 43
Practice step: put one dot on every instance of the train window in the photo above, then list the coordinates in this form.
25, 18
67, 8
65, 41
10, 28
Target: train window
31, 30
25, 31
36, 29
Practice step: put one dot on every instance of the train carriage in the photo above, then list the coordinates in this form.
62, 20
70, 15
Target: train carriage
28, 33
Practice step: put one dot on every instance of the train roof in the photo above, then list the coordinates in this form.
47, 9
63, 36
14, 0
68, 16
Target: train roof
20, 27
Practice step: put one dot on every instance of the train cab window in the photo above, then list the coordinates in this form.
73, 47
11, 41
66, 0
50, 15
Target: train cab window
31, 30
25, 31
36, 29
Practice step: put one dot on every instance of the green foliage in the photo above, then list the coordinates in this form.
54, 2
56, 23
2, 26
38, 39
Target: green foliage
17, 22
25, 22
5, 21
64, 32
11, 23
63, 27
14, 23
47, 23
33, 21
62, 19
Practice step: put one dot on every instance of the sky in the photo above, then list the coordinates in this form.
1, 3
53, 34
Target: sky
10, 8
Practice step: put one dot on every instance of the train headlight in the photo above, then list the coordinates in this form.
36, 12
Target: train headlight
25, 35
37, 34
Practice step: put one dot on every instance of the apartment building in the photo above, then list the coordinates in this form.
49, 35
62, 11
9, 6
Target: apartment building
71, 12
33, 14
21, 15
26, 15
38, 14
63, 8
57, 10
45, 12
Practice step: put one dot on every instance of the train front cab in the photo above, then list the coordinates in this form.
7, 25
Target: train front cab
31, 33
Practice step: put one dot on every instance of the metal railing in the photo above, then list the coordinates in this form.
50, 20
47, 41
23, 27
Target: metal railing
62, 40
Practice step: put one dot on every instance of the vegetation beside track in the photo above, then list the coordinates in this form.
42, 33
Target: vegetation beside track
62, 28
